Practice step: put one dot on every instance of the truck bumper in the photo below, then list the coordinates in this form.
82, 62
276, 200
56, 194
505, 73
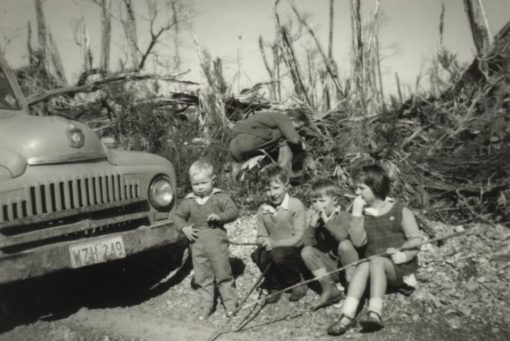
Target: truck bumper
54, 257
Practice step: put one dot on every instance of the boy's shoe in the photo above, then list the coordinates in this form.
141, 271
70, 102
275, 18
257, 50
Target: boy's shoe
274, 296
330, 294
373, 322
298, 293
204, 313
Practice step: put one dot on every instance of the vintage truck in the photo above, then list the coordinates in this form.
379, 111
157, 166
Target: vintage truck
67, 201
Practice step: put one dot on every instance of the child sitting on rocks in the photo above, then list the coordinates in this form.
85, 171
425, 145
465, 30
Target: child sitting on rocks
280, 225
382, 226
326, 239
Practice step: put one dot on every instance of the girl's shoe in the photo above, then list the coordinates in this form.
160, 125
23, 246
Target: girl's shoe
373, 322
339, 327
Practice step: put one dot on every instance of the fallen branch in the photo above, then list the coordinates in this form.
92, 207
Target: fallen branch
103, 82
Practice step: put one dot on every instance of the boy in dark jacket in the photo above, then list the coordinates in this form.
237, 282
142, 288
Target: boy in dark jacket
271, 132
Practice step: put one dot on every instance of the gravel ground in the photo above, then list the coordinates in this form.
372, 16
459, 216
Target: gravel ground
462, 294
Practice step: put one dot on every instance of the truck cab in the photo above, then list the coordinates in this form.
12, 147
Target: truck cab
67, 201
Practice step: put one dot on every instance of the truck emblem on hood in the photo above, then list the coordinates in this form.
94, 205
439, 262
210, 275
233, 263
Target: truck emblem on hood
75, 136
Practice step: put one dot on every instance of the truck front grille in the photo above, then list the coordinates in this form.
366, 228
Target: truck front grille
70, 194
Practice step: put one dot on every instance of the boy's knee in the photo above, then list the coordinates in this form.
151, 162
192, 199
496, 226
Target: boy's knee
307, 252
346, 246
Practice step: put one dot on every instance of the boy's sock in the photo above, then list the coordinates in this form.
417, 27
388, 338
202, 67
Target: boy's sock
350, 306
376, 305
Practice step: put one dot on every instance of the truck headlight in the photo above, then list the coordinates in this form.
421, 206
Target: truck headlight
161, 193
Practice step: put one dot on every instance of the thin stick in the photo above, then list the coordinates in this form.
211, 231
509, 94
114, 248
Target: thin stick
258, 282
356, 263
242, 244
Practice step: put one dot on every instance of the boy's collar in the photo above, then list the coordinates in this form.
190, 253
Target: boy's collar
285, 202
336, 211
194, 196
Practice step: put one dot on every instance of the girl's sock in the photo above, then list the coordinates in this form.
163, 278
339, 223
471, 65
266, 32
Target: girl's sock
350, 306
375, 304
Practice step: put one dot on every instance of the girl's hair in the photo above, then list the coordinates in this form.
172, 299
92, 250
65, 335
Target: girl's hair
325, 186
375, 177
274, 172
201, 166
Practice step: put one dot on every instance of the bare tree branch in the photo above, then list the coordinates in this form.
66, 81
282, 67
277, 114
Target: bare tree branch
103, 82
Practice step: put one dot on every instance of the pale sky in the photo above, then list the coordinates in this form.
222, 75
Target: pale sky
409, 36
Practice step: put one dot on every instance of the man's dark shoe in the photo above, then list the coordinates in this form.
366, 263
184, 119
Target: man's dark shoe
298, 293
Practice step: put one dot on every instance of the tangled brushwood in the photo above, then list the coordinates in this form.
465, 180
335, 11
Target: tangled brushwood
447, 153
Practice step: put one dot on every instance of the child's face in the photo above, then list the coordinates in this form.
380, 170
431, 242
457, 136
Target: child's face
365, 192
324, 203
202, 184
275, 191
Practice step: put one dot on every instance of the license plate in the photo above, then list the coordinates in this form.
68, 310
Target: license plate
95, 252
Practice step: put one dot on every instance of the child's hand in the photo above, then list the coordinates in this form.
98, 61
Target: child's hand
213, 217
357, 206
398, 257
190, 232
267, 244
314, 218
323, 215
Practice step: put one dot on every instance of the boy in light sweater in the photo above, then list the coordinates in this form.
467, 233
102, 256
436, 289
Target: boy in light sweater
280, 226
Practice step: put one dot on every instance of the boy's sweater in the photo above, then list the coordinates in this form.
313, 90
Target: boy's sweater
190, 212
326, 235
283, 225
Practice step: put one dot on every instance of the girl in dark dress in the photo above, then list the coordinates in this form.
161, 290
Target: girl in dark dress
382, 226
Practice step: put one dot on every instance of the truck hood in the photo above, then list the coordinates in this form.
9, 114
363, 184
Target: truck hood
47, 140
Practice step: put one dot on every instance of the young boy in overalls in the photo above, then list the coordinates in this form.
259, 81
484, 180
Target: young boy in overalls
201, 216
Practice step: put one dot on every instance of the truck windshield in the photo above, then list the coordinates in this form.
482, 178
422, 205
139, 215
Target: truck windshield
7, 98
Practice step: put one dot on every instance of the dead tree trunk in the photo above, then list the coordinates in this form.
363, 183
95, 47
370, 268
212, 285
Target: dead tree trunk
276, 62
478, 25
399, 89
56, 61
87, 51
325, 59
357, 48
290, 60
379, 73
441, 24
41, 33
330, 36
30, 51
177, 55
268, 68
131, 32
106, 34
